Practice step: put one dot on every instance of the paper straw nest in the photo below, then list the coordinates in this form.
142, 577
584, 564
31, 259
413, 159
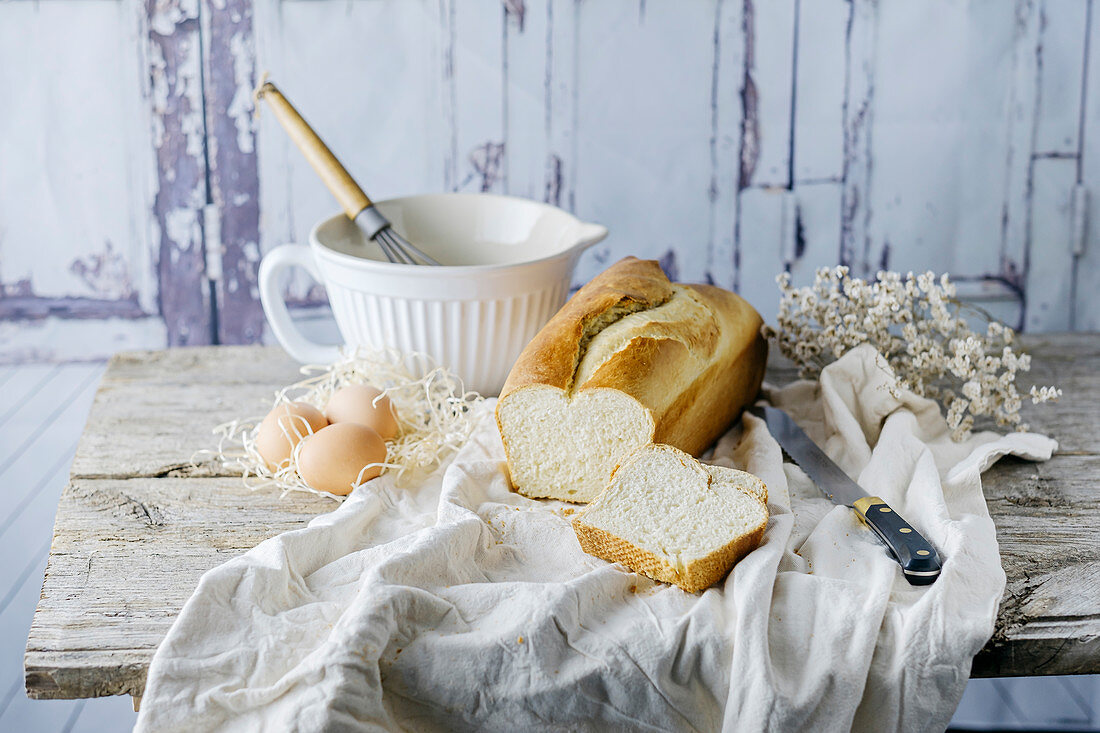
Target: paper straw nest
435, 414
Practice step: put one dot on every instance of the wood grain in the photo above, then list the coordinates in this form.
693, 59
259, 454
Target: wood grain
126, 555
136, 528
190, 391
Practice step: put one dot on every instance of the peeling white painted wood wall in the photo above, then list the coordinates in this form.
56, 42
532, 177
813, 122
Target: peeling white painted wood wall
731, 139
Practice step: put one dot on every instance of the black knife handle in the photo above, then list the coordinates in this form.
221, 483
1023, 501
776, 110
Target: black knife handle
920, 564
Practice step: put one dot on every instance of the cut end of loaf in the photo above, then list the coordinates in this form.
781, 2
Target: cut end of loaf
565, 447
671, 518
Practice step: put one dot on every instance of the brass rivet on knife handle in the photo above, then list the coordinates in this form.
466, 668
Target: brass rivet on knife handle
920, 564
332, 172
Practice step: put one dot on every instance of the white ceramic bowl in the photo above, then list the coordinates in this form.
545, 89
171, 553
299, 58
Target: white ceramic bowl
507, 269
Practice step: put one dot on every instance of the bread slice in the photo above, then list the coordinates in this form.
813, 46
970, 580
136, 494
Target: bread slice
679, 521
631, 359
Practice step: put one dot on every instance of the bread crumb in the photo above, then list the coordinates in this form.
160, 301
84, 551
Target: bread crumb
519, 640
567, 512
634, 589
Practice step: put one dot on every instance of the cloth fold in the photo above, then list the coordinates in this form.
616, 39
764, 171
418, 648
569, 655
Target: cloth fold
460, 605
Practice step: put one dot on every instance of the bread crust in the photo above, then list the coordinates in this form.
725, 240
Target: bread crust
693, 375
551, 357
705, 405
698, 575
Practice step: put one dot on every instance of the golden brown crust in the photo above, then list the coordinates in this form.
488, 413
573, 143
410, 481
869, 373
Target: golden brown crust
692, 365
551, 357
698, 575
704, 406
716, 398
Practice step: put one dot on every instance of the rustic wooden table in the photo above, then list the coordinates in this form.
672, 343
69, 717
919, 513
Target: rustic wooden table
138, 524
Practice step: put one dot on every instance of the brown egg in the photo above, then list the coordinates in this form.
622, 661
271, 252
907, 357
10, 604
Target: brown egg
357, 403
283, 427
332, 459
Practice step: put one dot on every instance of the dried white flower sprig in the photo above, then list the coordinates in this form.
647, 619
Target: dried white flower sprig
915, 323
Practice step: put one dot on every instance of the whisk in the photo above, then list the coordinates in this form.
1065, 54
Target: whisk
356, 204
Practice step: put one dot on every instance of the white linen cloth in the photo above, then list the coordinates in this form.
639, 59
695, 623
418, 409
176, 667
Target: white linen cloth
463, 606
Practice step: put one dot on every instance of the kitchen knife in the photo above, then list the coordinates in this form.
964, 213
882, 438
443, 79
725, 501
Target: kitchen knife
920, 564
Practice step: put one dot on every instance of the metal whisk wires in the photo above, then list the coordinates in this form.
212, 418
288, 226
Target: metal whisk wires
396, 248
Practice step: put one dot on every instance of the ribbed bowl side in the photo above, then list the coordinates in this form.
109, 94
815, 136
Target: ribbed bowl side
479, 340
344, 311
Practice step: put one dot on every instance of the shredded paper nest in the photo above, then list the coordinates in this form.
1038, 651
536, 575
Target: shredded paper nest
434, 412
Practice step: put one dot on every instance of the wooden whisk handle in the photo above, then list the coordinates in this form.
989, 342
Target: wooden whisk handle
331, 171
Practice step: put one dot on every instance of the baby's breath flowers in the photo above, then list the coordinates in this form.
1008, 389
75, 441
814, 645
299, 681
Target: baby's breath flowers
915, 323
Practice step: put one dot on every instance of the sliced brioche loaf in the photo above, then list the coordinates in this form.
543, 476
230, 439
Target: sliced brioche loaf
631, 359
667, 516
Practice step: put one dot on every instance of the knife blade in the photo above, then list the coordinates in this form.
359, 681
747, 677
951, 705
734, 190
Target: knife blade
919, 561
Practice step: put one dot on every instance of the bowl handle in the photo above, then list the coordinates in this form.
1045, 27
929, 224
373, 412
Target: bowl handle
271, 267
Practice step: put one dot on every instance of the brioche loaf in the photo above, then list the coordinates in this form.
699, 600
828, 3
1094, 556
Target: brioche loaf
667, 516
631, 359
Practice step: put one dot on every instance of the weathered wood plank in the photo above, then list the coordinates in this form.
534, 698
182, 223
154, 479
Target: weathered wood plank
74, 186
526, 66
77, 258
1049, 620
1049, 280
1020, 139
1072, 363
175, 67
937, 133
617, 161
821, 46
126, 555
767, 230
1062, 55
233, 226
190, 391
767, 93
726, 110
859, 92
816, 230
1086, 312
562, 64
474, 35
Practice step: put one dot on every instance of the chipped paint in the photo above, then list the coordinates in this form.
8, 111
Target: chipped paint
20, 288
858, 114
20, 303
243, 52
182, 228
158, 89
487, 161
178, 131
165, 15
106, 273
230, 65
516, 10
552, 192
750, 123
205, 143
